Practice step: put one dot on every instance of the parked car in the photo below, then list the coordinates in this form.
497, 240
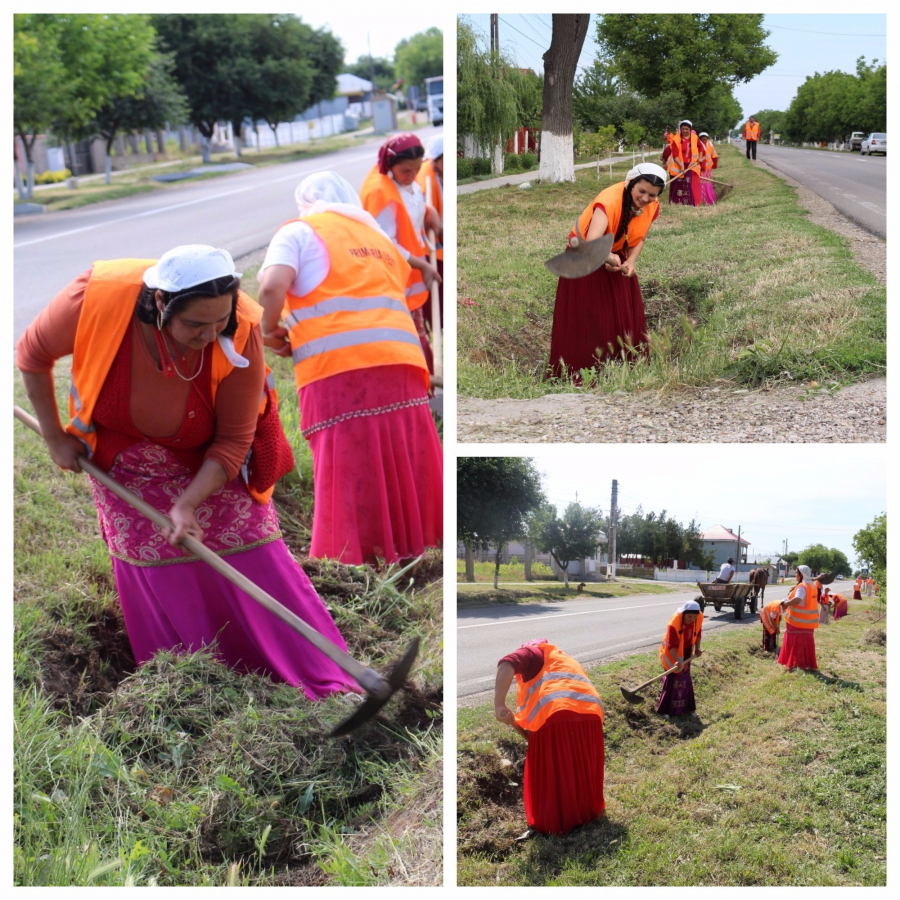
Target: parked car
874, 143
856, 140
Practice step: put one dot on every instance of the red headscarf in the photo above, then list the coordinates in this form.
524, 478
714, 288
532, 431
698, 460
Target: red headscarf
394, 145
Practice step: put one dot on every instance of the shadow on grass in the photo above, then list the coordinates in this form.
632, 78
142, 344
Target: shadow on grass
840, 682
549, 855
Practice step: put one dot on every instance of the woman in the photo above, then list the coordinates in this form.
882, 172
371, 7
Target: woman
433, 171
857, 586
770, 615
361, 377
682, 157
680, 645
601, 315
708, 160
801, 616
177, 329
840, 606
559, 712
390, 193
824, 604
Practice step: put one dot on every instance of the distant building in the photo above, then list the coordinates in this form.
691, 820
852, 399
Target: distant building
722, 542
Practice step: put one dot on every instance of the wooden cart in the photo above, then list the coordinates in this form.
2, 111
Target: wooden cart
735, 595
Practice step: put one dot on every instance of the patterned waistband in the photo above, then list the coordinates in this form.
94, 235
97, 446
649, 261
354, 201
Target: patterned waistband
374, 411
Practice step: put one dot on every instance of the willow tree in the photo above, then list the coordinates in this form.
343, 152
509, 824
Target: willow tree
487, 104
560, 63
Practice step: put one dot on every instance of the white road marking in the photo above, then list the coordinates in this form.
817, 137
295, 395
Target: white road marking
165, 209
587, 612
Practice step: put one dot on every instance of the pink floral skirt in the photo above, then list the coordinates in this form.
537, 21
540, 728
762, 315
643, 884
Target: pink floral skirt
173, 601
377, 465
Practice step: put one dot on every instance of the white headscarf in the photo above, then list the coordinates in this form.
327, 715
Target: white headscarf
690, 606
646, 169
686, 122
805, 572
435, 147
328, 192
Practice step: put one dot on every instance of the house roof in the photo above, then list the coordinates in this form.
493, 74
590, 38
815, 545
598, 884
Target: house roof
721, 533
352, 84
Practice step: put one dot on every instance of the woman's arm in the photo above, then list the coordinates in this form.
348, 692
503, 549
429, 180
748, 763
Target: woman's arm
597, 228
273, 287
429, 272
627, 267
64, 448
183, 513
505, 675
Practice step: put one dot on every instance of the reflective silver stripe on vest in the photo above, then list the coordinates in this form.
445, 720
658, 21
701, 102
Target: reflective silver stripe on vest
353, 339
86, 429
417, 288
76, 397
552, 676
344, 304
570, 695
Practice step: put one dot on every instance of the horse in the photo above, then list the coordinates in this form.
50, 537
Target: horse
759, 578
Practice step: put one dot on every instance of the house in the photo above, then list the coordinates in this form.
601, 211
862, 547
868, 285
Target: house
722, 542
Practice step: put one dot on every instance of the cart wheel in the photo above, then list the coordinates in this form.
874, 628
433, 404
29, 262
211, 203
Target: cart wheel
702, 602
717, 607
739, 609
753, 606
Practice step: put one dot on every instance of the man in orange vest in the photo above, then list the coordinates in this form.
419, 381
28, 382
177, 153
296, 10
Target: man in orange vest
751, 136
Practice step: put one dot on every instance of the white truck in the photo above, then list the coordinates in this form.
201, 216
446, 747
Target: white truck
434, 91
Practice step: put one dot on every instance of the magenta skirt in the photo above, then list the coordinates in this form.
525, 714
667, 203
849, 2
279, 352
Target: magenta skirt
677, 697
596, 318
798, 649
173, 601
377, 465
708, 193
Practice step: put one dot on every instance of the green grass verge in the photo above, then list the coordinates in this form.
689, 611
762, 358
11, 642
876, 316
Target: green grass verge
781, 780
477, 595
750, 290
183, 772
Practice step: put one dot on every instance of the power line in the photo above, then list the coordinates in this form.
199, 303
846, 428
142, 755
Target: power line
832, 33
536, 44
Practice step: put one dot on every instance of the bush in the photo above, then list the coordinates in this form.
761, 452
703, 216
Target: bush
481, 165
52, 177
529, 160
465, 168
512, 162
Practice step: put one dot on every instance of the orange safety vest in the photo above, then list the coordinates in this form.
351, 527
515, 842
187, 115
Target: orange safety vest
357, 318
612, 200
709, 159
675, 163
770, 615
806, 616
427, 173
751, 132
671, 656
106, 314
561, 684
376, 193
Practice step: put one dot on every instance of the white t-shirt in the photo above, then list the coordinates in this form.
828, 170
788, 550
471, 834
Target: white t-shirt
414, 201
298, 246
726, 570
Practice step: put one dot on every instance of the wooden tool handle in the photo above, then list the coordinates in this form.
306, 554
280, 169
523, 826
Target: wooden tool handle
657, 677
436, 352
366, 677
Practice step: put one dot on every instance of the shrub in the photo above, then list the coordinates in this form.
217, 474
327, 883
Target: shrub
529, 160
465, 168
52, 177
512, 162
481, 165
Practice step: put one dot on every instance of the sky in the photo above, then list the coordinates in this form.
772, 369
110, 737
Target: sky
386, 29
802, 51
808, 494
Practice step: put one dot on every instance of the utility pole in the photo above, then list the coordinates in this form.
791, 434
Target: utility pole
613, 524
495, 33
738, 557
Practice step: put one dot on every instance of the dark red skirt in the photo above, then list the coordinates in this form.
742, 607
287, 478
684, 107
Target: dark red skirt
798, 651
770, 641
596, 318
564, 773
677, 697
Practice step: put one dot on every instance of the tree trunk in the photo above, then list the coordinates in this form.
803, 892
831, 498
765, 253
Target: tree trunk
566, 575
29, 180
497, 567
107, 167
497, 158
148, 141
160, 141
560, 61
20, 184
204, 148
528, 554
470, 564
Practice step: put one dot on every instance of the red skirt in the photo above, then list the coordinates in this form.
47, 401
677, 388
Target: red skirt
378, 479
856, 594
798, 650
596, 318
564, 773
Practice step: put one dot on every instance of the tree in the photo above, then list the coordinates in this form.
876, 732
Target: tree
870, 544
420, 57
560, 62
689, 53
494, 495
771, 121
40, 85
574, 536
534, 524
821, 559
382, 69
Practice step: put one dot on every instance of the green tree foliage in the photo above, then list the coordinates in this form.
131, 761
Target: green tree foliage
870, 544
494, 496
658, 537
830, 106
574, 536
383, 70
770, 120
821, 559
717, 112
420, 57
689, 53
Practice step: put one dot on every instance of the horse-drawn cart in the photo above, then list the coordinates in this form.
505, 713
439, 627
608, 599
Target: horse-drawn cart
734, 595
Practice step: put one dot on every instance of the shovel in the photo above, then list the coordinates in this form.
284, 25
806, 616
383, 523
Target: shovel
634, 697
378, 688
582, 257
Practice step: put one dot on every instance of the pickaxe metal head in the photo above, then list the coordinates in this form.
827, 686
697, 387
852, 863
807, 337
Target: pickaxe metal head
582, 257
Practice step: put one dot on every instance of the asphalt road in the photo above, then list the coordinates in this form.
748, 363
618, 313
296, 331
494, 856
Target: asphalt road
590, 630
239, 212
855, 185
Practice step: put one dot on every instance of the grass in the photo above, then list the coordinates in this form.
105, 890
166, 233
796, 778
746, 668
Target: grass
781, 780
130, 182
748, 290
184, 772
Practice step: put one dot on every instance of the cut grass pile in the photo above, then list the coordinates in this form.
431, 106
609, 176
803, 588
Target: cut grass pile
183, 772
477, 595
781, 780
750, 290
